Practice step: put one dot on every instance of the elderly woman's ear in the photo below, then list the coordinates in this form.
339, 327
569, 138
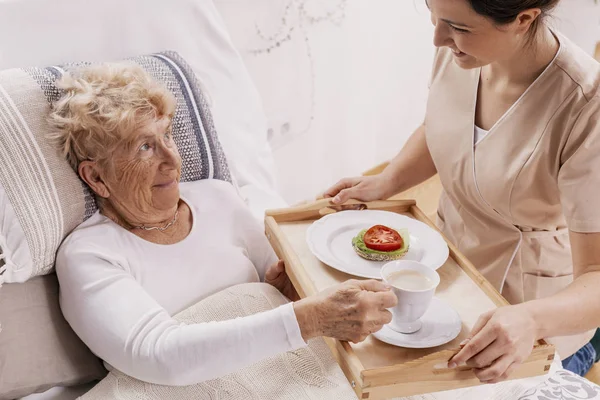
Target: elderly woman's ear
90, 173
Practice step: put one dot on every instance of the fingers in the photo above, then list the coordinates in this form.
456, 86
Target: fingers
378, 293
372, 285
384, 300
280, 267
344, 196
505, 375
481, 322
274, 271
499, 370
386, 318
381, 318
487, 357
476, 345
357, 309
341, 185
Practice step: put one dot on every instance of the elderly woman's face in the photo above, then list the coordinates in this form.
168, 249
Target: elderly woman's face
145, 172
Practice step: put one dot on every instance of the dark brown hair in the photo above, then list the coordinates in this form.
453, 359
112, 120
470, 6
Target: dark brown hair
506, 11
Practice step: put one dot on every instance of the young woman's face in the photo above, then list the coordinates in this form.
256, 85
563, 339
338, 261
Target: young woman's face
475, 40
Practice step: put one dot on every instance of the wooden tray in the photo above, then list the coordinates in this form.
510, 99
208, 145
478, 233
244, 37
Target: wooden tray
377, 370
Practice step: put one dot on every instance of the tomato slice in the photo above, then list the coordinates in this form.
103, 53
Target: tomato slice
382, 238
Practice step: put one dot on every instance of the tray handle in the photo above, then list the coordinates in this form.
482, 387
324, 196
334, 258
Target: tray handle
320, 208
435, 367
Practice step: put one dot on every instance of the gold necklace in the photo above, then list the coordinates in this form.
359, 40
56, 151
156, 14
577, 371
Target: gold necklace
158, 228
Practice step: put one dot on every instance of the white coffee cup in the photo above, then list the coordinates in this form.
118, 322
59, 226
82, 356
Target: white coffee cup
414, 284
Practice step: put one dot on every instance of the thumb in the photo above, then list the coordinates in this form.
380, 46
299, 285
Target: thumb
479, 325
275, 270
373, 285
344, 196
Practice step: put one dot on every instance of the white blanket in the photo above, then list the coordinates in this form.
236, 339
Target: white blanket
310, 373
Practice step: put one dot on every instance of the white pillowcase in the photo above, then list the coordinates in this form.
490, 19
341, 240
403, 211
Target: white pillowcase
12, 243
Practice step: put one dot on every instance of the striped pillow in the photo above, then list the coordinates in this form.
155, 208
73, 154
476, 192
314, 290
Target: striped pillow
41, 198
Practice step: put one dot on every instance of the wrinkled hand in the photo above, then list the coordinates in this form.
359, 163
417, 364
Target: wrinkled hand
363, 188
499, 342
277, 277
350, 311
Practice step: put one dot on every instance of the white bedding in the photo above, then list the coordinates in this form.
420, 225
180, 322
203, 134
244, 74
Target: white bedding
61, 393
557, 385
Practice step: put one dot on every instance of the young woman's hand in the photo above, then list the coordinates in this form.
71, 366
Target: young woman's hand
363, 188
499, 342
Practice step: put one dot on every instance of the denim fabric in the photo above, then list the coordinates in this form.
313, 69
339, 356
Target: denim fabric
581, 362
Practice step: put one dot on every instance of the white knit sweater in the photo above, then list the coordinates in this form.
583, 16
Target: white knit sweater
119, 292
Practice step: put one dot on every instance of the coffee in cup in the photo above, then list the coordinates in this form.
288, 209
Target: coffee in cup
414, 285
409, 280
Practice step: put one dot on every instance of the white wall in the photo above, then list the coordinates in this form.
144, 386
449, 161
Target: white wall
580, 21
370, 77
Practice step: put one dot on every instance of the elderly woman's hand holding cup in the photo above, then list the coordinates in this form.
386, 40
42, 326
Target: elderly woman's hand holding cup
350, 311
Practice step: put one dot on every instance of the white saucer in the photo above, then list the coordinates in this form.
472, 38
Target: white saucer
441, 324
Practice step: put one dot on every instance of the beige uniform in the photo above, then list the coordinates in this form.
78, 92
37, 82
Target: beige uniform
509, 201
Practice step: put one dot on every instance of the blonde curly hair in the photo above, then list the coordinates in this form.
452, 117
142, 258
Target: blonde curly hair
101, 107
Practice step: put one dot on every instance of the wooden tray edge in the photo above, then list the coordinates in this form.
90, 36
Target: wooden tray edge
305, 287
320, 208
434, 364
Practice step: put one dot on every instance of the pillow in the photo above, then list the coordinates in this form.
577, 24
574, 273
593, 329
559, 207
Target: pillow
307, 373
41, 198
38, 349
36, 32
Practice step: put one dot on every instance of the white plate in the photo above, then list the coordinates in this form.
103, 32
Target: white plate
330, 240
441, 324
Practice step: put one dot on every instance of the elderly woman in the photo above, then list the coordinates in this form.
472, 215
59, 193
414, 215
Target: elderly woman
156, 247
